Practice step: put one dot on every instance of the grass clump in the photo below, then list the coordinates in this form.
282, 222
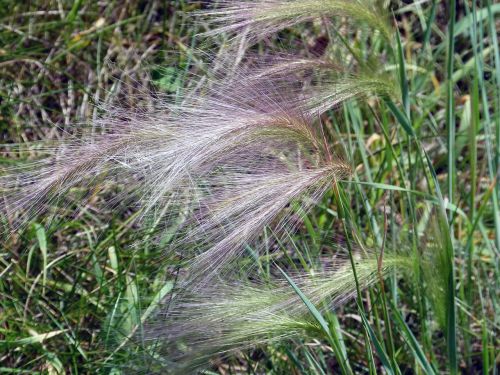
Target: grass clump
292, 202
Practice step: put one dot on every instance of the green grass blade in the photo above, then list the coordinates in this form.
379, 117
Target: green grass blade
428, 30
496, 49
402, 118
412, 341
314, 311
41, 237
74, 11
384, 358
403, 79
450, 126
321, 321
450, 104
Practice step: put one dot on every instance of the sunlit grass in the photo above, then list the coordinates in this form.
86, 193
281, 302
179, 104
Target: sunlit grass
413, 211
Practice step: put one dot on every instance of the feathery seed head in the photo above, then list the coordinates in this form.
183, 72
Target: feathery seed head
229, 162
264, 17
233, 313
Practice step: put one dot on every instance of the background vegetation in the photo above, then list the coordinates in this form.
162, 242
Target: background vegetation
71, 293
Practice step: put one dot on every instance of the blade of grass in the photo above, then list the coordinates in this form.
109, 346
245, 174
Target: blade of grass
411, 341
430, 22
35, 338
403, 120
344, 216
494, 43
450, 125
42, 243
343, 362
384, 358
403, 79
450, 104
474, 126
74, 11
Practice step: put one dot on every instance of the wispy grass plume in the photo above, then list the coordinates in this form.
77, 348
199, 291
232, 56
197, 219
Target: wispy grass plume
227, 161
321, 83
233, 314
264, 17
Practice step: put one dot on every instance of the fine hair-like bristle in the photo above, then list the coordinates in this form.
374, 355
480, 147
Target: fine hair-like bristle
262, 18
231, 160
233, 313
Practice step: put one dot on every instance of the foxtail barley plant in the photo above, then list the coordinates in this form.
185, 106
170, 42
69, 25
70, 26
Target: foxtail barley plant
232, 166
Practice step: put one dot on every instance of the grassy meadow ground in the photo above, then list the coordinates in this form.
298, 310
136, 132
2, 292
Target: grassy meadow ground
74, 287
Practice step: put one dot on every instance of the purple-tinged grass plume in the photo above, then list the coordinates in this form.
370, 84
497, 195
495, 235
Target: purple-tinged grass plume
238, 311
262, 18
319, 83
228, 161
232, 314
